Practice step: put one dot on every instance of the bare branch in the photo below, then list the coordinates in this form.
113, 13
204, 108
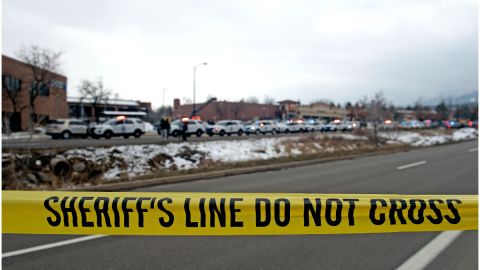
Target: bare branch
43, 62
94, 91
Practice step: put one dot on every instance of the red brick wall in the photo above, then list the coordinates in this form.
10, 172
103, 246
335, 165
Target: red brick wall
54, 105
222, 110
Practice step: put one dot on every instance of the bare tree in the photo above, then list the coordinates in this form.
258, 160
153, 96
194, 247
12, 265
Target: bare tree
44, 63
443, 112
392, 111
361, 108
252, 99
419, 110
219, 109
377, 110
236, 108
269, 100
165, 110
96, 92
11, 88
186, 100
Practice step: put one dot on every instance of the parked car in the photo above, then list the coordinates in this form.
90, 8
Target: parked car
125, 127
345, 126
208, 127
291, 127
330, 127
66, 128
313, 126
263, 127
451, 124
196, 127
228, 127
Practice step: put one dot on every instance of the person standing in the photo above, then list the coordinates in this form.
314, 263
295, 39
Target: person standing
167, 128
161, 128
184, 130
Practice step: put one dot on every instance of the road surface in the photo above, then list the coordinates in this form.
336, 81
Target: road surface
450, 169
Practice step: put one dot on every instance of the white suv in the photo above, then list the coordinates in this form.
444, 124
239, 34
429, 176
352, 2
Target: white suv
345, 126
66, 128
288, 127
119, 127
228, 127
193, 127
263, 127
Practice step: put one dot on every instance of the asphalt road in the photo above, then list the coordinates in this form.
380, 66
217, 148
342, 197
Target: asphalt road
450, 169
149, 138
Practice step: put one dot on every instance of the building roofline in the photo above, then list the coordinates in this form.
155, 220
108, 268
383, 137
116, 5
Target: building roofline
105, 102
288, 101
28, 65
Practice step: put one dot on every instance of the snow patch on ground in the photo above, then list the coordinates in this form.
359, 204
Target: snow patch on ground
137, 160
129, 161
464, 134
349, 137
417, 139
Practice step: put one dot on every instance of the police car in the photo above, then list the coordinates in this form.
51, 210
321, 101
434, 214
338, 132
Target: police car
120, 126
196, 127
228, 127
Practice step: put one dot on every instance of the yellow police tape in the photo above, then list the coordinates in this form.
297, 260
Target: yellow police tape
132, 213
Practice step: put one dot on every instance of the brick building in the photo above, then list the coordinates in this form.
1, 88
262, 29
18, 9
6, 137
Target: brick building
322, 111
17, 80
289, 109
319, 110
222, 110
83, 108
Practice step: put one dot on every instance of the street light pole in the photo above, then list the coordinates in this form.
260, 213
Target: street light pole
163, 97
194, 71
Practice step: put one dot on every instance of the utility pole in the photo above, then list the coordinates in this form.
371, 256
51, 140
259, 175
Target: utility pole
194, 71
163, 98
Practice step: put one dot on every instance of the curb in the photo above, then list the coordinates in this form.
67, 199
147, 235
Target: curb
222, 173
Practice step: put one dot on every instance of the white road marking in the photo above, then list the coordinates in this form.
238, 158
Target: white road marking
412, 165
473, 149
429, 252
51, 245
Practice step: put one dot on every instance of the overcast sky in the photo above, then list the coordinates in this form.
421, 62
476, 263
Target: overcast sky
301, 50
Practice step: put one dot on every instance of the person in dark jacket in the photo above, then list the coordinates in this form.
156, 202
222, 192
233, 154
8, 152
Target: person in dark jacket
161, 128
167, 128
184, 130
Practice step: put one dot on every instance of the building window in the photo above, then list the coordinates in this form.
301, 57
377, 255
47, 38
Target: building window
43, 89
11, 83
58, 84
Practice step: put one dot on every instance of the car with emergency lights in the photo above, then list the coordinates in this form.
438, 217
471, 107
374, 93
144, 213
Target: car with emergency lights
291, 127
313, 125
261, 127
194, 127
451, 124
331, 127
228, 127
389, 125
120, 126
66, 128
